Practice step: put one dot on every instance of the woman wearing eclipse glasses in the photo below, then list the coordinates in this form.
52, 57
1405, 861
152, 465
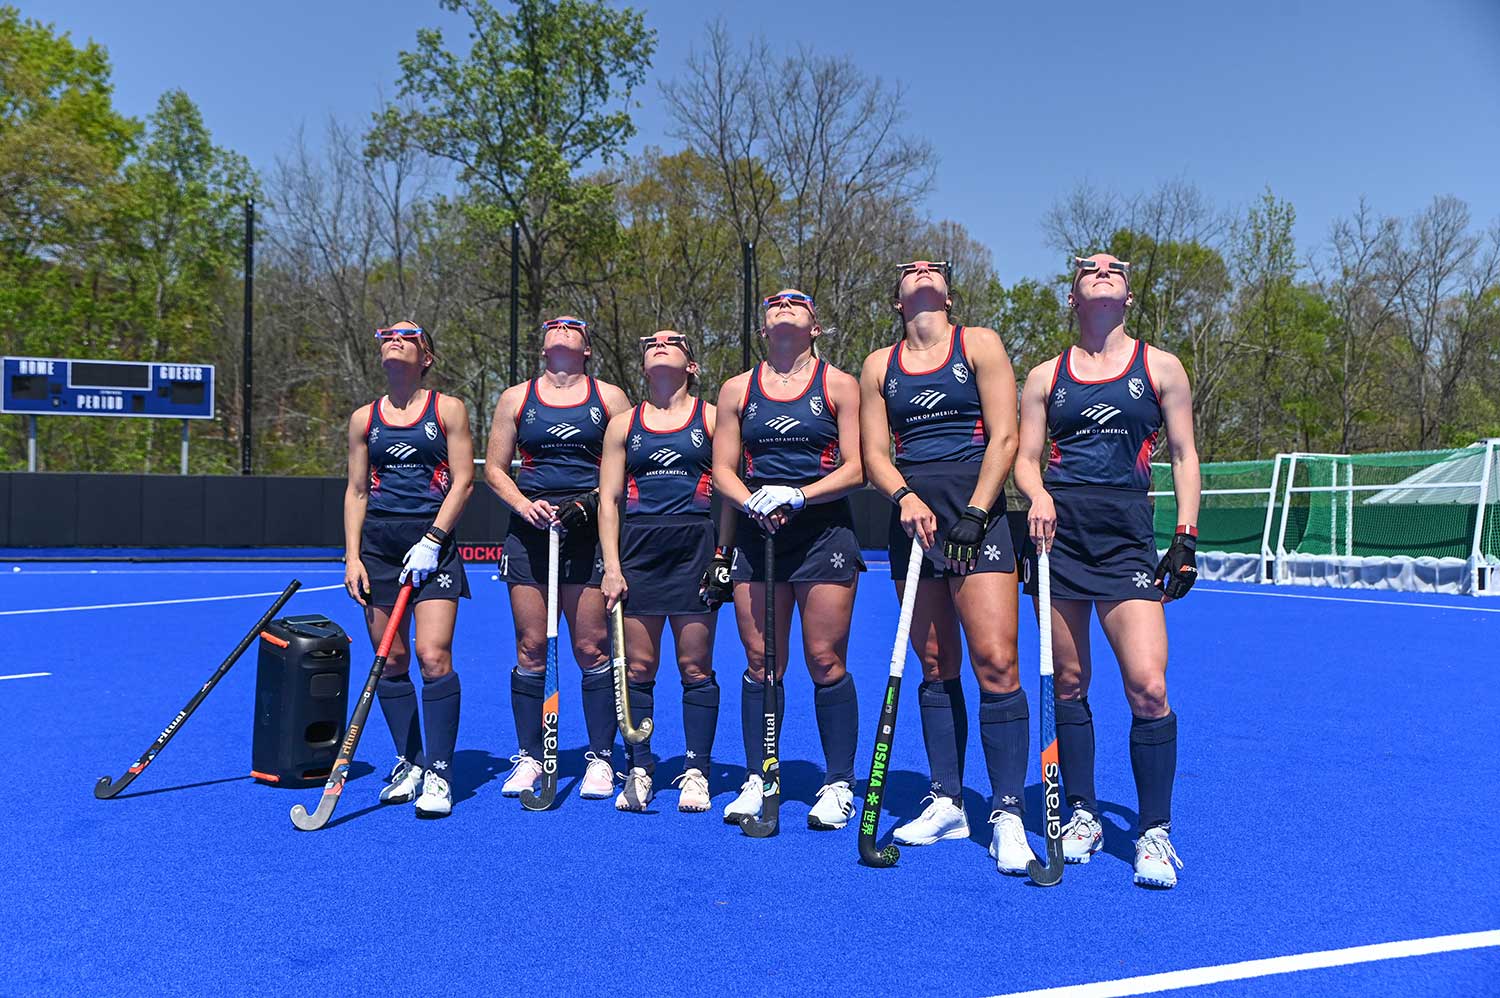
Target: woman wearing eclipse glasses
658, 457
411, 469
947, 395
1102, 403
556, 422
794, 420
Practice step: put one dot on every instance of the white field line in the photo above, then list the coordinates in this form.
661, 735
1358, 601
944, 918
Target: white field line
27, 675
145, 570
162, 602
1201, 976
1349, 599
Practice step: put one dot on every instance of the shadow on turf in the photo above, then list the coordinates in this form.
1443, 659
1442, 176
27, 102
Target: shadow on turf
180, 786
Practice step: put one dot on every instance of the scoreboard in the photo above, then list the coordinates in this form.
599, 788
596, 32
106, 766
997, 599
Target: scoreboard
50, 386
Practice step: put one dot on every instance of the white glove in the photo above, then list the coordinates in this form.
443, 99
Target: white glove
420, 562
769, 498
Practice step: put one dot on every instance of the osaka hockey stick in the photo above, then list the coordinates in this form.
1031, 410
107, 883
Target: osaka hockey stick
885, 730
531, 800
105, 789
1046, 876
340, 774
769, 822
628, 730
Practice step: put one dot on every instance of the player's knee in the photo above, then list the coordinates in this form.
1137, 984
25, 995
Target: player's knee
641, 671
1148, 698
694, 672
996, 665
531, 652
589, 654
435, 657
397, 662
825, 665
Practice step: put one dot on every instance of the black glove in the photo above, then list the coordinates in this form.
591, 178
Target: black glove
962, 542
1178, 569
716, 587
578, 511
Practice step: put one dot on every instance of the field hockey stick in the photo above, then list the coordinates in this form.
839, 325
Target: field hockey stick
340, 773
105, 789
531, 800
632, 734
885, 730
1046, 876
769, 822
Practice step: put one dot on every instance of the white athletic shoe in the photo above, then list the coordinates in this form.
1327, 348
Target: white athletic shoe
637, 793
404, 782
942, 819
598, 778
833, 807
436, 800
1154, 857
747, 804
523, 777
1008, 846
694, 796
1082, 836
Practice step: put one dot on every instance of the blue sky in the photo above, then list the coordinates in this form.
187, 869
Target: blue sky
1322, 100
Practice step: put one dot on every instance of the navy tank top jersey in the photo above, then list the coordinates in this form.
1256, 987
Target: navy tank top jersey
935, 415
795, 441
559, 445
669, 471
1103, 432
408, 461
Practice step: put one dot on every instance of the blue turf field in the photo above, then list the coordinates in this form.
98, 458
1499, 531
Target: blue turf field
1337, 780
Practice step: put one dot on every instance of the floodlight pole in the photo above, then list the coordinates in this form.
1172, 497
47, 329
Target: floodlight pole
747, 265
184, 447
31, 442
515, 296
246, 382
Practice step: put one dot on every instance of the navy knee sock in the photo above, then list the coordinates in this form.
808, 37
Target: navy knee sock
599, 711
398, 702
753, 719
1075, 753
526, 707
440, 700
837, 709
1005, 733
1153, 760
642, 704
700, 719
945, 730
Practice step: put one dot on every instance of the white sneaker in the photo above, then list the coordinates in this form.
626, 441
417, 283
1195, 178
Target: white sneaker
523, 777
1082, 836
1154, 857
747, 804
694, 796
833, 807
436, 800
1008, 846
598, 778
637, 793
404, 782
942, 819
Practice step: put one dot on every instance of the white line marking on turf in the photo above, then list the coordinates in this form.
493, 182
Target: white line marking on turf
26, 675
1350, 599
1200, 976
163, 602
33, 572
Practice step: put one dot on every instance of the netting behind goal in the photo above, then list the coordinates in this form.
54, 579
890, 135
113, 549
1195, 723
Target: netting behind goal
1232, 515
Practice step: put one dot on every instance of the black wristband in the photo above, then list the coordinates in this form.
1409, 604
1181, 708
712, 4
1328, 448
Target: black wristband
436, 533
900, 494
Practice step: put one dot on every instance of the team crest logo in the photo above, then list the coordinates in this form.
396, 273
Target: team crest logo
635, 441
1137, 388
816, 404
697, 438
430, 428
531, 414
961, 372
1061, 395
595, 414
890, 388
374, 434
750, 410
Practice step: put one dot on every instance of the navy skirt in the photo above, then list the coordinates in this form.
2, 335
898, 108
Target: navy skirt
816, 545
1105, 547
663, 559
383, 543
945, 486
523, 559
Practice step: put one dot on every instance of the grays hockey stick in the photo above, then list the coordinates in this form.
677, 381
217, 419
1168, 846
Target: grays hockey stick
1047, 876
531, 800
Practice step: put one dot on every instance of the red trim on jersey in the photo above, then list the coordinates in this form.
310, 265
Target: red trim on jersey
827, 398
572, 405
437, 413
692, 414
1056, 370
406, 426
703, 495
953, 333
1146, 363
1143, 458
370, 419
594, 387
963, 352
524, 398
1103, 381
743, 401
795, 398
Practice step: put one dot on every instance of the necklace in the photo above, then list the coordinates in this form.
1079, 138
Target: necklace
788, 376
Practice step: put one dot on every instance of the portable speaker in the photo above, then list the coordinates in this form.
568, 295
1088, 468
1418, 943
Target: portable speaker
301, 700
